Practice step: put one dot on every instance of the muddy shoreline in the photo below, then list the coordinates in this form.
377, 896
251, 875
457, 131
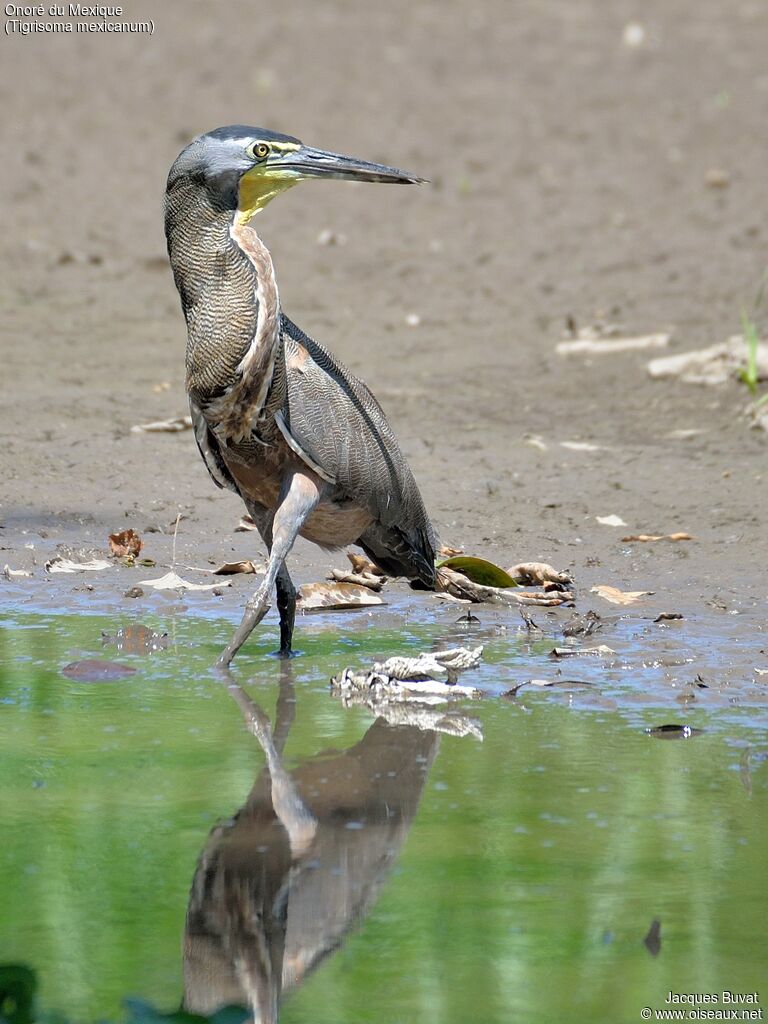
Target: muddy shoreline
591, 200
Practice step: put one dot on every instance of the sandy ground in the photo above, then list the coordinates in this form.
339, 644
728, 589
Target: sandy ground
569, 178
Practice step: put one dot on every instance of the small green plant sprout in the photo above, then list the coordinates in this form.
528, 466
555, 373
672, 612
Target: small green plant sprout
750, 373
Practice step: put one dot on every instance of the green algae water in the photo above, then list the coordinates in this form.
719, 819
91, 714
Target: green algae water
198, 841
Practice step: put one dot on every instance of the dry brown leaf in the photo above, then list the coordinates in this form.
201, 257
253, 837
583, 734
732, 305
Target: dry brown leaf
646, 538
233, 568
169, 426
446, 551
245, 524
126, 544
314, 596
616, 596
536, 573
362, 565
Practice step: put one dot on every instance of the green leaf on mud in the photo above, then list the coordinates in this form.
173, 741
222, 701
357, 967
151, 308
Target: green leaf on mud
479, 571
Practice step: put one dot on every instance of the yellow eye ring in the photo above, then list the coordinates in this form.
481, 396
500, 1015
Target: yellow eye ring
259, 150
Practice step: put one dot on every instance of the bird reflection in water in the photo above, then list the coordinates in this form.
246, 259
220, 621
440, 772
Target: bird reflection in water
280, 884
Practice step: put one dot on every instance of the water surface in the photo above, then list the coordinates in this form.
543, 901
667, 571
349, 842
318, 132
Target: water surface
386, 872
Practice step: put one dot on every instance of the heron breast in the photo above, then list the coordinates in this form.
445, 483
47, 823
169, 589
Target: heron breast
333, 524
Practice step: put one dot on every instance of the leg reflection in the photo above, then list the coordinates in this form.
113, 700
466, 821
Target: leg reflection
280, 884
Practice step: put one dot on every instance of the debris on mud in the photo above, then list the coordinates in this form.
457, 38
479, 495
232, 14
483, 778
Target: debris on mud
601, 651
757, 414
616, 596
316, 596
566, 684
582, 446
717, 177
538, 574
172, 581
126, 544
612, 520
61, 564
15, 574
364, 566
245, 525
467, 619
713, 365
589, 341
235, 568
582, 625
479, 570
673, 732
372, 581
169, 426
466, 578
456, 586
94, 670
648, 538
668, 617
429, 677
528, 623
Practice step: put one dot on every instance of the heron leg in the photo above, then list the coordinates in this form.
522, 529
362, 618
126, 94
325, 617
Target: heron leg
298, 497
286, 606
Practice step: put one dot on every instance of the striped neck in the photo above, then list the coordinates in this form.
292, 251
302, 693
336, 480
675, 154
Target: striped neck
245, 400
228, 292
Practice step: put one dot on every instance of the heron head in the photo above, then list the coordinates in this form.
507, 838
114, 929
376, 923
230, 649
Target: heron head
243, 168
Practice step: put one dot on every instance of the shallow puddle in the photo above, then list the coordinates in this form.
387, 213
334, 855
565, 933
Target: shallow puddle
381, 872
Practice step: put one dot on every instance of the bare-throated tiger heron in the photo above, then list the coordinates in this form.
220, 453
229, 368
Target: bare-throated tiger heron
277, 418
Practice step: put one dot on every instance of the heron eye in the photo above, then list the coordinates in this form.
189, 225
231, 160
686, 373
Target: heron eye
260, 150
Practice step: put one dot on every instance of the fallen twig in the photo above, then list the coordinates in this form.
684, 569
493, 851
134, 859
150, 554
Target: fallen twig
359, 579
459, 586
537, 573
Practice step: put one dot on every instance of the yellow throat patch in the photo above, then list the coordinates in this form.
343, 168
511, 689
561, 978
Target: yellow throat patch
261, 184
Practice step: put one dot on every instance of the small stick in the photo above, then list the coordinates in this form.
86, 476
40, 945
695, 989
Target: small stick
175, 531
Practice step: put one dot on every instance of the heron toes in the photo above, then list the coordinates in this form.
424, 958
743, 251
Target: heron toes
285, 653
